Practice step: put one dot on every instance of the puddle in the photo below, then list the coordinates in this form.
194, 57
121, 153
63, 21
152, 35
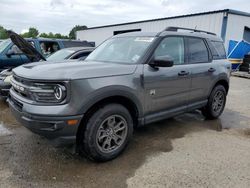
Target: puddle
4, 131
6, 117
33, 159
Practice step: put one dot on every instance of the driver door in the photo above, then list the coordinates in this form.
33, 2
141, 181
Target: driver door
167, 88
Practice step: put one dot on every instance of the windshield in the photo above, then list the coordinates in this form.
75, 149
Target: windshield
4, 44
60, 55
121, 50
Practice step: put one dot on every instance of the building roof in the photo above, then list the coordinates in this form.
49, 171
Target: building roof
229, 11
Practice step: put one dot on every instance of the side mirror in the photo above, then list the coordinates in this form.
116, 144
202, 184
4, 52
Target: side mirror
162, 61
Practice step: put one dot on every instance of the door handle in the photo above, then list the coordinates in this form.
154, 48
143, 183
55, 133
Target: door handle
211, 69
183, 73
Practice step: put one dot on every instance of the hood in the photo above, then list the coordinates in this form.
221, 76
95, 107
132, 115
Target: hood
25, 47
72, 70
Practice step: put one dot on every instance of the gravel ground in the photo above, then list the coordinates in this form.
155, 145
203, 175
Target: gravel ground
185, 151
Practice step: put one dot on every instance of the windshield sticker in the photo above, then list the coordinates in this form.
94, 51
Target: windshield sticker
144, 39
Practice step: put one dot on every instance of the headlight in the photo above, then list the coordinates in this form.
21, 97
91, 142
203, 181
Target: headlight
59, 92
48, 93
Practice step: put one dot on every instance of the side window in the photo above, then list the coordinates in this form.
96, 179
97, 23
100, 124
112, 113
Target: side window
197, 51
218, 50
48, 47
172, 47
15, 49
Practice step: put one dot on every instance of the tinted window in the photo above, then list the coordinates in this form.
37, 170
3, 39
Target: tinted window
198, 52
218, 50
173, 47
48, 47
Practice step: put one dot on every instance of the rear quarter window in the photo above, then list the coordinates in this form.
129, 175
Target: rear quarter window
217, 50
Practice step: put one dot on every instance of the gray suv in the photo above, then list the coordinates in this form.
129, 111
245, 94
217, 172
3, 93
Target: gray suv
130, 80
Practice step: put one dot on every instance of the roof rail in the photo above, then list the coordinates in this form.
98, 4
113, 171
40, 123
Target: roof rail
188, 29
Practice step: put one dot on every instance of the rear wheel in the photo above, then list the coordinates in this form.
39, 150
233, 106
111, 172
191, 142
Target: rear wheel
107, 133
216, 103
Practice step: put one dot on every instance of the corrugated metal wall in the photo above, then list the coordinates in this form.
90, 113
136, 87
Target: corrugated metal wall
235, 27
208, 22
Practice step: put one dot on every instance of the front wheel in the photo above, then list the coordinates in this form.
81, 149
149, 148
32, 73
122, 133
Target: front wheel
107, 133
216, 103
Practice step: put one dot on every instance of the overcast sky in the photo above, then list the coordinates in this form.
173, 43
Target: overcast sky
59, 16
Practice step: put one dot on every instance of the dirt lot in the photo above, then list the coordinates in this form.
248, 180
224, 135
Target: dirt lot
186, 151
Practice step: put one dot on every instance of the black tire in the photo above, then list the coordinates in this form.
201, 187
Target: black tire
90, 137
208, 111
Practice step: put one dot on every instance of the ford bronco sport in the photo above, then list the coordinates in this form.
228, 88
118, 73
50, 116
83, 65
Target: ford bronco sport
130, 80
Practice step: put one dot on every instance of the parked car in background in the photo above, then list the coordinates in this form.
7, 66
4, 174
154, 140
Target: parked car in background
12, 56
77, 53
73, 54
130, 80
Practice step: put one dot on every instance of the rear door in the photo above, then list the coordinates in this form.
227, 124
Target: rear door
202, 68
167, 88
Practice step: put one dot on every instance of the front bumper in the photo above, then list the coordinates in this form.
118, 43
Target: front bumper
54, 128
4, 89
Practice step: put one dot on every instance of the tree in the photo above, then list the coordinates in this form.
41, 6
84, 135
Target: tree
51, 35
3, 33
72, 33
44, 35
32, 33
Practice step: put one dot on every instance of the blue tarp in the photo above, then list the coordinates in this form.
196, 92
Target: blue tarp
237, 50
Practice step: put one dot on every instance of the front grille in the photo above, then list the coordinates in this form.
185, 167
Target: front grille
21, 87
17, 104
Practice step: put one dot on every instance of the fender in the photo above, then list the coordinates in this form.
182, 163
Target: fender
112, 91
221, 77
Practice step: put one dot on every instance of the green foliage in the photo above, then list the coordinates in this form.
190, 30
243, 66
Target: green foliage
32, 33
72, 33
3, 33
51, 35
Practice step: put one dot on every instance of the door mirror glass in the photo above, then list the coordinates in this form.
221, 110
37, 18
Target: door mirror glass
162, 61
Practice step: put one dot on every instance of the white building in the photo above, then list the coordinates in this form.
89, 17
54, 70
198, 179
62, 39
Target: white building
229, 24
